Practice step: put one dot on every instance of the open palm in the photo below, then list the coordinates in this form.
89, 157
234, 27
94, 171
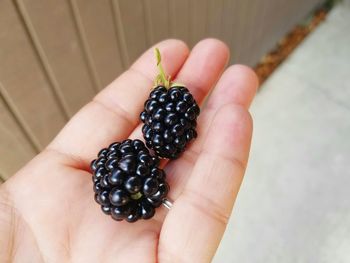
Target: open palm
47, 210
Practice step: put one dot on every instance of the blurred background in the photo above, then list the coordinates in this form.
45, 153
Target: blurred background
294, 206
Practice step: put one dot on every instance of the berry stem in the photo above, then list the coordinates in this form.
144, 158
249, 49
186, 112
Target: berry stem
162, 78
136, 196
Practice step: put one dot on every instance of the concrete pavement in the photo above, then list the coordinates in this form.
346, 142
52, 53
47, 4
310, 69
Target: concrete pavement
294, 204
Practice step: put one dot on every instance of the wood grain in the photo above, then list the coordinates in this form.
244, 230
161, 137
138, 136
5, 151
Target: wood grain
198, 20
101, 39
23, 76
133, 18
157, 20
179, 24
56, 54
59, 39
215, 18
16, 147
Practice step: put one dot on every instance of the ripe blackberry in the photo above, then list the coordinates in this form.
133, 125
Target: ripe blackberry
127, 181
169, 116
169, 119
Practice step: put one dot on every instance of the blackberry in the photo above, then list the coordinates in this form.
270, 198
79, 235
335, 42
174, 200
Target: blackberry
127, 181
169, 119
169, 116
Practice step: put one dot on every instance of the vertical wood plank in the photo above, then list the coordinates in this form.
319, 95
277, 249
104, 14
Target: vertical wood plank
101, 38
53, 54
198, 15
241, 21
307, 6
254, 43
179, 25
134, 28
25, 19
21, 74
157, 19
90, 63
147, 10
119, 29
215, 18
15, 113
228, 22
265, 26
15, 148
286, 21
236, 7
273, 31
250, 31
272, 20
55, 28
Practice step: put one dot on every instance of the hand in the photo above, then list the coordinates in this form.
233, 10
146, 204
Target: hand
48, 213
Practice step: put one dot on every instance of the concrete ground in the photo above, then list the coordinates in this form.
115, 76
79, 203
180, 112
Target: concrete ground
294, 204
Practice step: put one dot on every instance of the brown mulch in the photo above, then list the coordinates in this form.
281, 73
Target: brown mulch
286, 45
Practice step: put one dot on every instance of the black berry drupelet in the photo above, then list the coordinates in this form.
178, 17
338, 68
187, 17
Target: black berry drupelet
169, 118
127, 181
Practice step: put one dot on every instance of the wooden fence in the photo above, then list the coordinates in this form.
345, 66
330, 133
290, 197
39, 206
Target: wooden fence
56, 54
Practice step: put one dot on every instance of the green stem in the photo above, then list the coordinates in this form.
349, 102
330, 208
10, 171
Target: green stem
161, 78
136, 196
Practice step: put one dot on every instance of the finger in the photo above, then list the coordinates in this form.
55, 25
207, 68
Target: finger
204, 67
201, 71
114, 112
237, 85
199, 216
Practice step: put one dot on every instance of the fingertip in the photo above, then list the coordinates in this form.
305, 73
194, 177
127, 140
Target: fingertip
231, 132
245, 80
238, 84
213, 43
246, 72
203, 67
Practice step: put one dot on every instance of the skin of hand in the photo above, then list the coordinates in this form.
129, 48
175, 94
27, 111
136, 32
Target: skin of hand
47, 210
